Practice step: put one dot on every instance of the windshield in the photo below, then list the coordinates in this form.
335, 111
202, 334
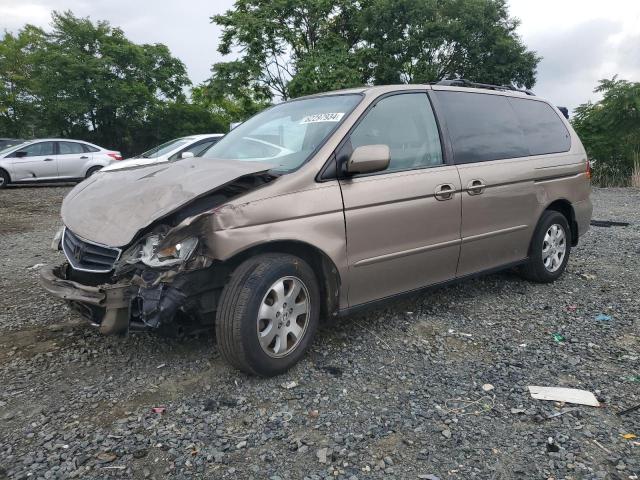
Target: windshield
286, 134
165, 148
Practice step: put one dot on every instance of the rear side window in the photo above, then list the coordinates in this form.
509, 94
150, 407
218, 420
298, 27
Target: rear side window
70, 148
482, 127
407, 125
542, 126
89, 148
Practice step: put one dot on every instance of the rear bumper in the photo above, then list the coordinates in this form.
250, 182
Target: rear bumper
583, 211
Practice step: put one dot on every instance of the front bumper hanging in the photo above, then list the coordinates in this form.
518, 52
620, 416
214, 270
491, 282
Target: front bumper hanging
111, 302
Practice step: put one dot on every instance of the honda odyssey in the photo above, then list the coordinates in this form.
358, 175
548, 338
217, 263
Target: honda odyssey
380, 191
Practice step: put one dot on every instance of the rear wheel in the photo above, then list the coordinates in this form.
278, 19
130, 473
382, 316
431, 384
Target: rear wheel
4, 179
550, 248
92, 170
268, 314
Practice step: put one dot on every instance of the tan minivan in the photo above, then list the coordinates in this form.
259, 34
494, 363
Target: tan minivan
321, 205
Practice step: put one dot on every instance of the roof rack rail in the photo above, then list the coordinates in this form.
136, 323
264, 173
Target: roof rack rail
463, 82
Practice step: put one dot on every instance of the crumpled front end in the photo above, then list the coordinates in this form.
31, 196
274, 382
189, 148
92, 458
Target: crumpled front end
146, 285
166, 277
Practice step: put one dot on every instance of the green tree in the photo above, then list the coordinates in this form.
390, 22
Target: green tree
18, 94
610, 130
174, 119
296, 47
228, 95
419, 41
91, 76
86, 80
279, 37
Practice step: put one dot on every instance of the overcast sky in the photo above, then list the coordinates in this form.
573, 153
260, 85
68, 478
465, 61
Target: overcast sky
581, 41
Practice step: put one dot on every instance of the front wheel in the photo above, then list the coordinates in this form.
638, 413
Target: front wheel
550, 249
268, 314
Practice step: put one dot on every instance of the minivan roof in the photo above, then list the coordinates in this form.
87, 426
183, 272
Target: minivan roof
381, 89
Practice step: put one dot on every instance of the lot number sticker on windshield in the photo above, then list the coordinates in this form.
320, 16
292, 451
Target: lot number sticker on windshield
323, 117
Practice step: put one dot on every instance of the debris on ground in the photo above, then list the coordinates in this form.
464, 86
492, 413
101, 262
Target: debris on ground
603, 318
289, 385
566, 395
629, 410
558, 337
322, 455
159, 410
608, 223
106, 457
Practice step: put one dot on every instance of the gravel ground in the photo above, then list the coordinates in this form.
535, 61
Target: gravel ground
391, 393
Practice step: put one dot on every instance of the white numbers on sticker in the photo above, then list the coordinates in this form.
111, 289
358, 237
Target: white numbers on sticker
323, 117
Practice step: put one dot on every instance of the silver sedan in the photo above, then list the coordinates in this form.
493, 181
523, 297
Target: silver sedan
51, 159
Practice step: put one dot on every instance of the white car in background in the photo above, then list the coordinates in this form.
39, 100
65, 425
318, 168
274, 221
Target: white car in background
183, 147
52, 160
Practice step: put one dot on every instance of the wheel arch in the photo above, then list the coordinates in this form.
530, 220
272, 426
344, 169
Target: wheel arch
564, 207
5, 171
95, 166
322, 265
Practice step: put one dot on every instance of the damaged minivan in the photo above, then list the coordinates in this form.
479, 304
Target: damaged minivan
322, 205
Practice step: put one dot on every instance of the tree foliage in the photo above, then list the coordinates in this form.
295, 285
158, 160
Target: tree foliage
295, 47
610, 130
87, 80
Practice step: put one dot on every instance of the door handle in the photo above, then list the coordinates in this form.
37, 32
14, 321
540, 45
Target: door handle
476, 187
48, 160
444, 191
83, 157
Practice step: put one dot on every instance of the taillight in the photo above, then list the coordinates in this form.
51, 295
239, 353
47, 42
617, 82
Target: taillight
588, 172
115, 155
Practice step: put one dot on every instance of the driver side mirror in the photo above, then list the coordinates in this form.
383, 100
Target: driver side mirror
20, 154
369, 159
187, 155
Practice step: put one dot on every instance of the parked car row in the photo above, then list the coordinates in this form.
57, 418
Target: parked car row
54, 160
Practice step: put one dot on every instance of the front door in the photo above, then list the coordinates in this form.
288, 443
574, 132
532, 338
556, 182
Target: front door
35, 162
403, 224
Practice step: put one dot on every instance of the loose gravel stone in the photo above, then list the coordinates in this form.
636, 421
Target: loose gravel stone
375, 394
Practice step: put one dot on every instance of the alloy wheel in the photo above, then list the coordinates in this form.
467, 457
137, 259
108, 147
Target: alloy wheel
554, 247
283, 316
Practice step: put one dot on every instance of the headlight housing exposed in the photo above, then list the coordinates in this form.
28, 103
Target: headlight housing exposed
154, 253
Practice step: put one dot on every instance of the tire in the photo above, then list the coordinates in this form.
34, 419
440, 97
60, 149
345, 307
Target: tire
92, 170
543, 244
4, 179
250, 290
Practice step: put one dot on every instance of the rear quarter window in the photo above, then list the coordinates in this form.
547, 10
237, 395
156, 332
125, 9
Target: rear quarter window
482, 127
543, 128
89, 148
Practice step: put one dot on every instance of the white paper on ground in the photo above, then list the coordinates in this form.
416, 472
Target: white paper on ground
568, 395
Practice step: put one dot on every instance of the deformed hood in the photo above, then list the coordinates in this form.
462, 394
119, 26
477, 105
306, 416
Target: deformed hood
111, 207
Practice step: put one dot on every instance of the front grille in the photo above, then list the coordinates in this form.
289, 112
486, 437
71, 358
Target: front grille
86, 256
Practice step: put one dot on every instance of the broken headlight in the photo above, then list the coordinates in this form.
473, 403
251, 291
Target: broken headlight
155, 253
